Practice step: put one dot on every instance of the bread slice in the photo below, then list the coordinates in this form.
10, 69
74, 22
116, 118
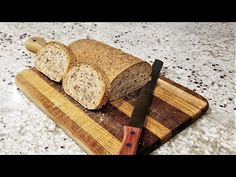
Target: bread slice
53, 60
119, 73
87, 85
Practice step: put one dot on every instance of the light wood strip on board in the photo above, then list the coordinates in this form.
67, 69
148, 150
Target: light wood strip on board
110, 143
152, 125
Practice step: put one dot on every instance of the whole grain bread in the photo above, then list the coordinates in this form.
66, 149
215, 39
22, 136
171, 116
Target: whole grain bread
88, 85
54, 60
114, 73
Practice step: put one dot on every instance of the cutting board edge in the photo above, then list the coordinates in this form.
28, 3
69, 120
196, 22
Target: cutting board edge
204, 109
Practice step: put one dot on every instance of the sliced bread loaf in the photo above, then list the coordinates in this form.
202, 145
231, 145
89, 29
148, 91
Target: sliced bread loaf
105, 67
53, 60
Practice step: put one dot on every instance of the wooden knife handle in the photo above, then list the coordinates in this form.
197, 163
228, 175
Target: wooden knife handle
34, 44
130, 140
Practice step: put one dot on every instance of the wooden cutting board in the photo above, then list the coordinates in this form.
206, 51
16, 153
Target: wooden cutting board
174, 107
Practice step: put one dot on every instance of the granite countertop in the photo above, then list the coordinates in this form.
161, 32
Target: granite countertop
200, 56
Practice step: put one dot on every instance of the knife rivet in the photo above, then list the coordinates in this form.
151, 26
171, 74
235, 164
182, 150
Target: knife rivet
128, 144
132, 132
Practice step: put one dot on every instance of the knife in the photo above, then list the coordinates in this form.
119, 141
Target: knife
133, 130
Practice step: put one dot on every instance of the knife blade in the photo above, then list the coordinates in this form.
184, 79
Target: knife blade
133, 130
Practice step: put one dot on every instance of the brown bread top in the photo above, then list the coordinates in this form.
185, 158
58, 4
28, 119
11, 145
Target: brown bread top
111, 60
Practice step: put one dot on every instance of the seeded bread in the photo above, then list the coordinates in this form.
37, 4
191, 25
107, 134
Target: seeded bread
114, 72
53, 60
87, 84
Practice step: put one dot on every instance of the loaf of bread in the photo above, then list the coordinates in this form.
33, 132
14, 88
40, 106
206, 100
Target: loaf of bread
53, 60
103, 73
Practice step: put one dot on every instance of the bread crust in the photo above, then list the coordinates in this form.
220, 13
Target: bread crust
99, 53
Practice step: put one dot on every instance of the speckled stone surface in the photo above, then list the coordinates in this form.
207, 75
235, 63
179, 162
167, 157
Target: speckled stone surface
200, 56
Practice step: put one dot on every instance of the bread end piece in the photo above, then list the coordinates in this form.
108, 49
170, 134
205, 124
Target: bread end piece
54, 60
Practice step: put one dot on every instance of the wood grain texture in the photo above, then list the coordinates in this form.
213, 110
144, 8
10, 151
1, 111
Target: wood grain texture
174, 107
130, 140
154, 126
